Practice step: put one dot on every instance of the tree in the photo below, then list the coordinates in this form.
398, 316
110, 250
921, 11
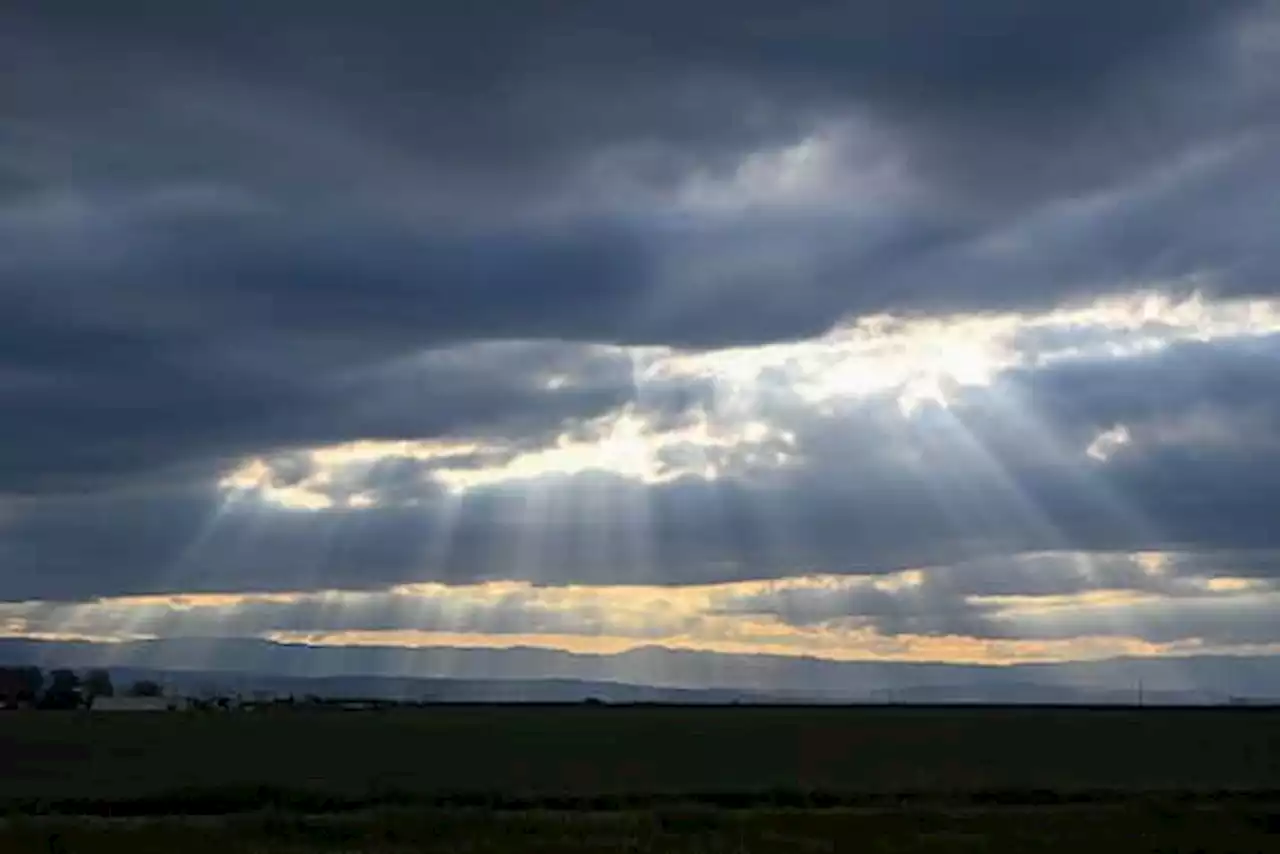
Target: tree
63, 692
97, 683
20, 684
145, 688
64, 680
32, 681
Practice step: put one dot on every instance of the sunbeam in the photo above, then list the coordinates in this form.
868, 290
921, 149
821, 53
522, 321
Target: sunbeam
938, 405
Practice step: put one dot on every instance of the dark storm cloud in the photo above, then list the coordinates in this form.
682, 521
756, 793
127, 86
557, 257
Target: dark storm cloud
535, 88
301, 167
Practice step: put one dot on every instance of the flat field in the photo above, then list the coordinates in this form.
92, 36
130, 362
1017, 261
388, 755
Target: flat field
1125, 829
584, 751
643, 779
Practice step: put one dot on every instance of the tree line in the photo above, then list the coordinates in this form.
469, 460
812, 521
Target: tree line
63, 688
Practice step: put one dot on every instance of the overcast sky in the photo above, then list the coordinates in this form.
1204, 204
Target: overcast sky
912, 329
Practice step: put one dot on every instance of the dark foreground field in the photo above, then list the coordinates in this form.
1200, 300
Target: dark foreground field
648, 779
1132, 828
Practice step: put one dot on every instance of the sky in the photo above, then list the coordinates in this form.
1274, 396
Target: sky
922, 330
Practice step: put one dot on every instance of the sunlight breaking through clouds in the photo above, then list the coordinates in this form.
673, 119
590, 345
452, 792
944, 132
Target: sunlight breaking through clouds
920, 358
758, 395
624, 443
688, 325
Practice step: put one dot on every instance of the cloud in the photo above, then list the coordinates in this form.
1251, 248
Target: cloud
1050, 596
238, 183
352, 298
885, 445
1042, 607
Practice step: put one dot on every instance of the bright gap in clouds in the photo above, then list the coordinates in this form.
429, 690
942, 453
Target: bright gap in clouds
758, 394
742, 413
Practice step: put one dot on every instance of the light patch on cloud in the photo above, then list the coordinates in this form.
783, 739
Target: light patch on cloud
194, 601
850, 165
18, 629
1108, 442
624, 443
257, 477
1233, 585
1032, 605
1154, 564
895, 582
320, 478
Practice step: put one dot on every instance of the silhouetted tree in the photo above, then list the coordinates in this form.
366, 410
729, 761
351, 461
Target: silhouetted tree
63, 691
145, 688
64, 680
97, 683
32, 681
20, 684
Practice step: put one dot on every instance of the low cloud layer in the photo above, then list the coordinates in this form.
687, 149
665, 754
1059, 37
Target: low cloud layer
1044, 607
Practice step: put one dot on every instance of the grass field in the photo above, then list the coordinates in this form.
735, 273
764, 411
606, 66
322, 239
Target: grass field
1058, 830
644, 778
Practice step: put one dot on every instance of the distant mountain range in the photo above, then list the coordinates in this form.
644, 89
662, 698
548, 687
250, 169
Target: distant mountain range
650, 674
